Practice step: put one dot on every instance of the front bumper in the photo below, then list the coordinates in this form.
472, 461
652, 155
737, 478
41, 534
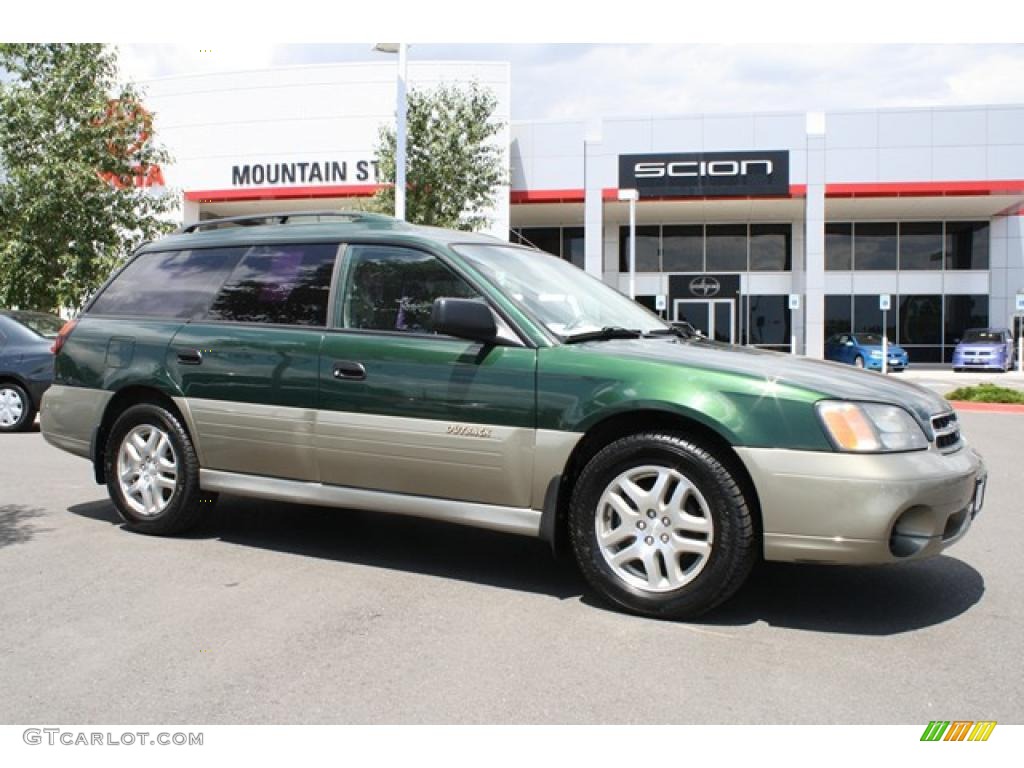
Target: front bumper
895, 363
867, 508
981, 363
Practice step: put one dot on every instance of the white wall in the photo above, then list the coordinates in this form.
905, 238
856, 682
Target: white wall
212, 122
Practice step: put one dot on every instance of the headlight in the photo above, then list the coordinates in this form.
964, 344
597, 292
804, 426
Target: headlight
870, 427
876, 353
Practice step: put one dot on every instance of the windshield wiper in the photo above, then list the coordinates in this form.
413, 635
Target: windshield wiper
608, 332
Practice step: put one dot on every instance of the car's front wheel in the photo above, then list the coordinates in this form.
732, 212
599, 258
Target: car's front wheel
858, 361
16, 409
661, 527
153, 472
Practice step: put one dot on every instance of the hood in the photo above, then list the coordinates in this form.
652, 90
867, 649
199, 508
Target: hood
980, 346
831, 380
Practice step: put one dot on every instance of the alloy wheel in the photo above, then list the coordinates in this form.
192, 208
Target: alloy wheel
654, 528
147, 470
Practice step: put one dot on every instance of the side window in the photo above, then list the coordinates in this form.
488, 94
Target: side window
278, 284
388, 288
178, 284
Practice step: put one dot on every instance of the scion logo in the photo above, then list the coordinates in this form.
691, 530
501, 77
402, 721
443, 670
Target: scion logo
702, 168
705, 287
709, 174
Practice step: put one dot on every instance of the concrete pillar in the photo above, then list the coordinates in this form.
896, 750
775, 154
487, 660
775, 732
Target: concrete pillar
189, 212
593, 213
814, 249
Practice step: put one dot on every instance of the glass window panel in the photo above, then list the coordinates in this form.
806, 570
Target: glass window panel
683, 248
548, 239
921, 245
279, 284
178, 284
771, 247
838, 247
393, 289
726, 247
769, 320
572, 246
838, 314
963, 312
920, 320
874, 246
867, 317
647, 244
966, 245
931, 354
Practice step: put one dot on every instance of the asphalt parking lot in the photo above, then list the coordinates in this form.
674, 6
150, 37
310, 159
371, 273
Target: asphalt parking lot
288, 614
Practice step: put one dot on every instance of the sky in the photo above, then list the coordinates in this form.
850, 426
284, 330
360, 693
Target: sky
582, 81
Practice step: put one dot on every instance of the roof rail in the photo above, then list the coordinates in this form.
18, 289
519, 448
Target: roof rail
258, 219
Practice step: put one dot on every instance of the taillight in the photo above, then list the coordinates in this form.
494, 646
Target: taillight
62, 337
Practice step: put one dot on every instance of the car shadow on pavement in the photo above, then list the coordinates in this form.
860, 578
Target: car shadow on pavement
381, 541
862, 600
880, 600
16, 524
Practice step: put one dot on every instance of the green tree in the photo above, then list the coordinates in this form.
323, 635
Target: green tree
454, 165
76, 150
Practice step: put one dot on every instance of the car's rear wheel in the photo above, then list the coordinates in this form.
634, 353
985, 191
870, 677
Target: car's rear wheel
661, 527
17, 411
153, 472
858, 361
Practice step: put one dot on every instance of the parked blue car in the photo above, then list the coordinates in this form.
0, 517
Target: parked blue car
26, 365
984, 348
864, 350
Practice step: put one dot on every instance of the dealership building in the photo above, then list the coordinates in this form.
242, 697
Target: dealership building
758, 228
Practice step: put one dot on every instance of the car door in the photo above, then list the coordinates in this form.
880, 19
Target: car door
250, 367
405, 410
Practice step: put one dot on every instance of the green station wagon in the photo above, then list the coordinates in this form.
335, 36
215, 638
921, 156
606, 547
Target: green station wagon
356, 361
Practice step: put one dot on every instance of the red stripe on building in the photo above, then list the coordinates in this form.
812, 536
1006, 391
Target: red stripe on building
926, 188
866, 189
281, 193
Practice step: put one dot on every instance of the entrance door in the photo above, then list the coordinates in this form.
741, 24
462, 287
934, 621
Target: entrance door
715, 318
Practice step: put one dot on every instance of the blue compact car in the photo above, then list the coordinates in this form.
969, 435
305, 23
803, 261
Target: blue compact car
26, 365
984, 348
864, 350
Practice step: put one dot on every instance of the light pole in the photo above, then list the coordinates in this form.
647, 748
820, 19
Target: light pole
631, 195
400, 130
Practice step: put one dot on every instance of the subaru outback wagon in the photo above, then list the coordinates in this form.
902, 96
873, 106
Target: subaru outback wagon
356, 361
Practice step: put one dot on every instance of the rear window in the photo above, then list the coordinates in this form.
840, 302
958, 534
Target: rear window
279, 285
47, 326
173, 284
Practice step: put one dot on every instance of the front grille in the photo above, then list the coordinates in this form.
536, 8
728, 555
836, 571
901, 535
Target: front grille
947, 432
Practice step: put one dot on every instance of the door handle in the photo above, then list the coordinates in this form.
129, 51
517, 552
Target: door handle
190, 356
346, 369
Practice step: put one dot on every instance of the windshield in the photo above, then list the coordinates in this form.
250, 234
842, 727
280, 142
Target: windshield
47, 326
566, 299
983, 336
869, 339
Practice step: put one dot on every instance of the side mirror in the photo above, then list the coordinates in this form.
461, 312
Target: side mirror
464, 319
849, 343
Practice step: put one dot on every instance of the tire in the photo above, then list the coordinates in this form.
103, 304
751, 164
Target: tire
171, 501
858, 361
17, 411
698, 497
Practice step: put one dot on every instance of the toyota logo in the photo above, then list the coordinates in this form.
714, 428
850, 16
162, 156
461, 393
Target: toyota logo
705, 287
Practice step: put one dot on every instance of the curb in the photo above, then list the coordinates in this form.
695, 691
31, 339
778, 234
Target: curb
965, 405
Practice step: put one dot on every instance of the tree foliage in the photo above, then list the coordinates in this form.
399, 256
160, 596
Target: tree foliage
73, 141
454, 165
